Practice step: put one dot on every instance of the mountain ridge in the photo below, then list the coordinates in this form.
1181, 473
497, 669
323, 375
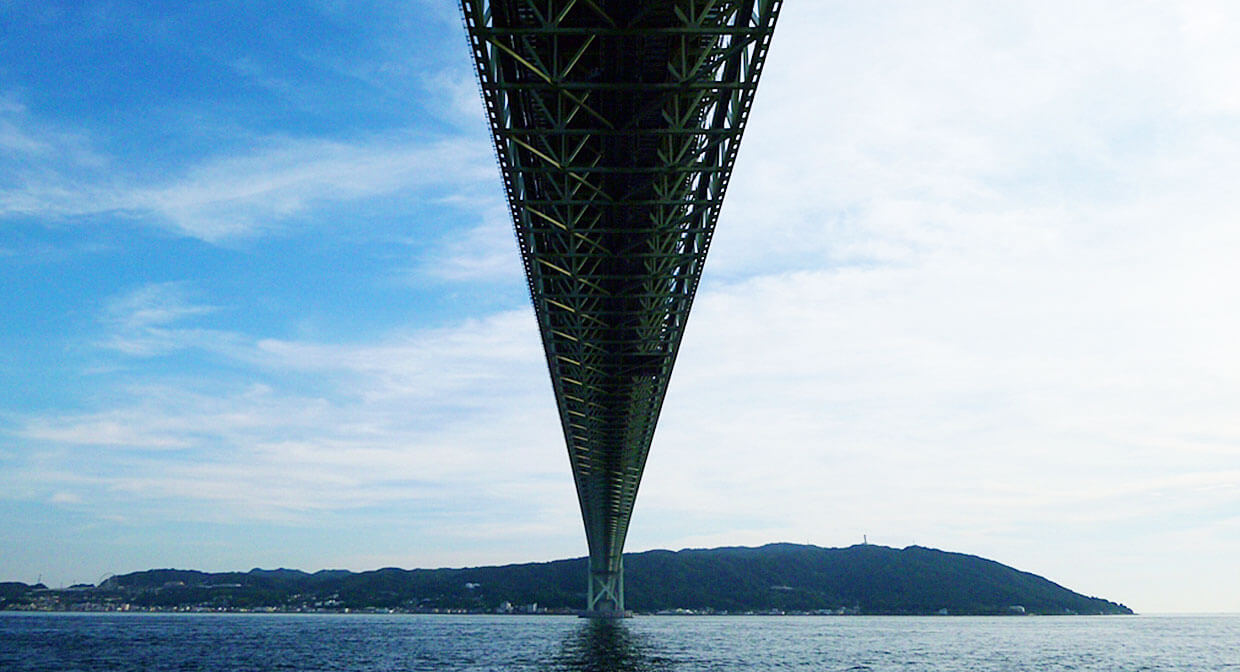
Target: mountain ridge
776, 577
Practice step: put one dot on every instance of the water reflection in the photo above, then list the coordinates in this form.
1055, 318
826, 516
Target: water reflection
608, 646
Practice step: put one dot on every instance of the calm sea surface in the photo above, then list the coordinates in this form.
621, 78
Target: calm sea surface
90, 642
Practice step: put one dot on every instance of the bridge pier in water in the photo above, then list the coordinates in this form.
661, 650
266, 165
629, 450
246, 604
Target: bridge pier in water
606, 593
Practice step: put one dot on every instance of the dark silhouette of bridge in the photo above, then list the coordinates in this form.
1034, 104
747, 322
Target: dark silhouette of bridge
616, 125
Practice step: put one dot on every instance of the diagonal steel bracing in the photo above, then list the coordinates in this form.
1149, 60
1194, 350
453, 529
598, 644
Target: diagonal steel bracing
616, 124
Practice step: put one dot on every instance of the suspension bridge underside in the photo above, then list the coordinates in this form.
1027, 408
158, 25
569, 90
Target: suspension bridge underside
616, 124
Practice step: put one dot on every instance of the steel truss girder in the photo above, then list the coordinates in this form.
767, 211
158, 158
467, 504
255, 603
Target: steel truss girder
616, 126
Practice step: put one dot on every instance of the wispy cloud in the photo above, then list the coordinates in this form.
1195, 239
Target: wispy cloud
26, 142
151, 320
153, 306
65, 498
462, 365
237, 195
224, 195
484, 253
387, 422
15, 140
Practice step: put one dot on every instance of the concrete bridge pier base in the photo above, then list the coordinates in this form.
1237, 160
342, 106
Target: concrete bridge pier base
606, 595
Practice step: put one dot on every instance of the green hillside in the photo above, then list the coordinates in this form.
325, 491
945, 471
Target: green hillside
863, 579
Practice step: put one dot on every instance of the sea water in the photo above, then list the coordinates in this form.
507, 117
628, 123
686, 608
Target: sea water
245, 642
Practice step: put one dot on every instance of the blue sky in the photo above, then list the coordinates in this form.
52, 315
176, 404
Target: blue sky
974, 288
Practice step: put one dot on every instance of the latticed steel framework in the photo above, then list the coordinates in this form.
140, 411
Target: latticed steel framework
616, 124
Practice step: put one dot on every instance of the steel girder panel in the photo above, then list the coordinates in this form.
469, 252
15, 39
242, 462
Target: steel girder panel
616, 125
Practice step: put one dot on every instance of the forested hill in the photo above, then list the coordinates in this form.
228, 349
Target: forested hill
866, 578
863, 579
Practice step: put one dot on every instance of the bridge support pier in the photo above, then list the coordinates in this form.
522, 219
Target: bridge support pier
606, 595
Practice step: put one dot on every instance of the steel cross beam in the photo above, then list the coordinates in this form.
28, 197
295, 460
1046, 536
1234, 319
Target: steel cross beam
616, 125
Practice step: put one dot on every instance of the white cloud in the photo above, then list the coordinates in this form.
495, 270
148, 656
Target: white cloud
972, 287
873, 128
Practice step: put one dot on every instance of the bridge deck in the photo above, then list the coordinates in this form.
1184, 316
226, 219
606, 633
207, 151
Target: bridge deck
616, 125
